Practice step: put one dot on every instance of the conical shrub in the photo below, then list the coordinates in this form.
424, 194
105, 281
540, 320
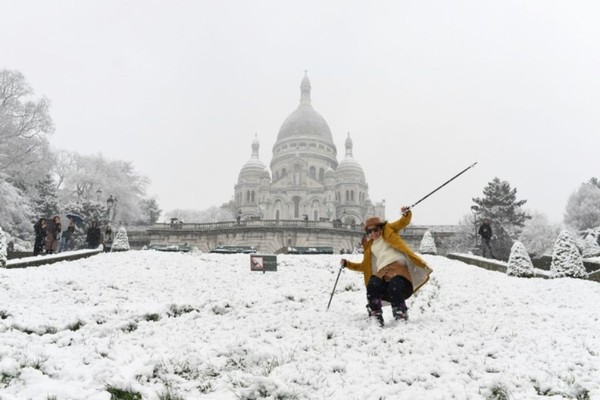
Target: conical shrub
519, 263
121, 242
566, 260
427, 244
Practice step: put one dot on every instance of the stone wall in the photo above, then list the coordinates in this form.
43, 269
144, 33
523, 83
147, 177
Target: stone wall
273, 236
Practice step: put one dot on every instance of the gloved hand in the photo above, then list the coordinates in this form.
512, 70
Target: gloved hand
343, 263
404, 210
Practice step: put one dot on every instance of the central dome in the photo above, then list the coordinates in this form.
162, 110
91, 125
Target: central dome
305, 121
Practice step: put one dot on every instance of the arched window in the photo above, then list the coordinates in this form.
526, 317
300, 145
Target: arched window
316, 215
248, 196
296, 201
347, 195
321, 174
352, 195
252, 196
312, 171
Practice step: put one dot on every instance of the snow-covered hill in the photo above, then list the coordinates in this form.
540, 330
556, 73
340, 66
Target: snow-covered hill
203, 326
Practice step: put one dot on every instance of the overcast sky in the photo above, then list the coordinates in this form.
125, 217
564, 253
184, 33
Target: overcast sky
425, 89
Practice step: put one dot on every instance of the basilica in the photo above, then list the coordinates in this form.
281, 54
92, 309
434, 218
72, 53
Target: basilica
305, 181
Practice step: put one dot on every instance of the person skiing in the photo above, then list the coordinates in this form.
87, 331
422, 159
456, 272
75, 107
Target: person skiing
391, 270
485, 231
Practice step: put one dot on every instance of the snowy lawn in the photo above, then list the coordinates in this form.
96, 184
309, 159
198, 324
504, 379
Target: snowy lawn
203, 326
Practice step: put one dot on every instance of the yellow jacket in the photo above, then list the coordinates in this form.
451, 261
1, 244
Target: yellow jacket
419, 270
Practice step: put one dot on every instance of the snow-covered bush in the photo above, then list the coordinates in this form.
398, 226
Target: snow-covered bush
427, 244
590, 247
519, 263
566, 260
121, 242
2, 249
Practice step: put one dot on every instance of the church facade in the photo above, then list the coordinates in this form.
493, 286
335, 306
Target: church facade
305, 181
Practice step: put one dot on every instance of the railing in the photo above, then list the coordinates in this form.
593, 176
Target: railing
293, 223
211, 226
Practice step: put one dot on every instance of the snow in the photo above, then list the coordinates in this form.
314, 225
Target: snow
203, 326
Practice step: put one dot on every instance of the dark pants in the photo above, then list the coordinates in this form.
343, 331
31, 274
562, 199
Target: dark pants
396, 291
486, 248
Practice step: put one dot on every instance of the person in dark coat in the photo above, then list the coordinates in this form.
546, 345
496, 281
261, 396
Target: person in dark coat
485, 231
41, 231
53, 236
94, 236
108, 238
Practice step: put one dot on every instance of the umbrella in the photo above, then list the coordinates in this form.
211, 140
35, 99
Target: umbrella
78, 219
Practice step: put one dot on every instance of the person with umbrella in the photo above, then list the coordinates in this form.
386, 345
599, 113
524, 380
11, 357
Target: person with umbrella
66, 240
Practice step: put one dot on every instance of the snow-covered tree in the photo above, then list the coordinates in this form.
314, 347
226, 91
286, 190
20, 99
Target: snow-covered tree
566, 259
150, 211
539, 234
590, 247
95, 178
427, 244
121, 242
519, 263
25, 125
583, 208
2, 249
501, 206
89, 210
46, 199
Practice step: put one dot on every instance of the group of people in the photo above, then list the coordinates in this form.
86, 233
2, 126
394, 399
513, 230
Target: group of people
49, 234
50, 237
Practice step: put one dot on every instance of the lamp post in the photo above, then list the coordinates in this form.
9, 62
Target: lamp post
98, 194
475, 210
110, 202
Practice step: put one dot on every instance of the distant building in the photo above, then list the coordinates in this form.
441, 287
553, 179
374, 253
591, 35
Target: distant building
305, 180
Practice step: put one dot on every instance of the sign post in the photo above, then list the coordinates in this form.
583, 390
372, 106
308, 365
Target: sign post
263, 262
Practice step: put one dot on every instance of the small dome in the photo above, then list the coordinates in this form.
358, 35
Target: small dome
349, 167
254, 168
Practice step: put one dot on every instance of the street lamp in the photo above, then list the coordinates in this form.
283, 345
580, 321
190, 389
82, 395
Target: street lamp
98, 193
475, 210
109, 206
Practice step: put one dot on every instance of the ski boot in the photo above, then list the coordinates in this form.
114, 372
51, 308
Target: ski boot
377, 315
400, 313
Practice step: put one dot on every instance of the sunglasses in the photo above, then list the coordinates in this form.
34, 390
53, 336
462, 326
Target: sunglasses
374, 229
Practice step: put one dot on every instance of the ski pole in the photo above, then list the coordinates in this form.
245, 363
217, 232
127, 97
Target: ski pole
333, 291
445, 183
